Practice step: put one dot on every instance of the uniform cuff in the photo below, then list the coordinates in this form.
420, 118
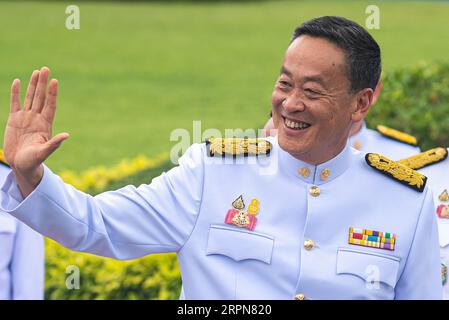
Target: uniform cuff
11, 198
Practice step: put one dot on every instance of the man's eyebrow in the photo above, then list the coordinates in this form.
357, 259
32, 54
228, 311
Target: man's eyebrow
287, 72
316, 79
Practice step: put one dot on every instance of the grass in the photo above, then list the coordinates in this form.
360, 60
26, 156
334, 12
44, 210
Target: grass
136, 71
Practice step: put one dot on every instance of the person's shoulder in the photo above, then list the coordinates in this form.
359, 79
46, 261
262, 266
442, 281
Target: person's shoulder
426, 158
391, 134
394, 146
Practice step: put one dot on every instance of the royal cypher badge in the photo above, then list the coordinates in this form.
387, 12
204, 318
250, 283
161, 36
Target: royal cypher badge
238, 217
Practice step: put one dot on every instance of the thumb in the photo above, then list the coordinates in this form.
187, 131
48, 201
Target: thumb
51, 145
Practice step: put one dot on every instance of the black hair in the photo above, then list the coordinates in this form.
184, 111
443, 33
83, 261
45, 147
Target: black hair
362, 51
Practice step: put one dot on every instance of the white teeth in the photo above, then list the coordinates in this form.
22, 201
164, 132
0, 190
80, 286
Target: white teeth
295, 125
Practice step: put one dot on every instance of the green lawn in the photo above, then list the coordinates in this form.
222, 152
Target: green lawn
136, 71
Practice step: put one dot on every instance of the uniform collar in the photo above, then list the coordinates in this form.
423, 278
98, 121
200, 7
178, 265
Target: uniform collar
316, 174
359, 140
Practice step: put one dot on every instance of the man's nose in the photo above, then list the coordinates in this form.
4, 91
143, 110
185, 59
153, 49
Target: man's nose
293, 103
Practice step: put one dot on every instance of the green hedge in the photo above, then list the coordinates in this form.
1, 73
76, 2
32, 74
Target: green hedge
415, 100
152, 277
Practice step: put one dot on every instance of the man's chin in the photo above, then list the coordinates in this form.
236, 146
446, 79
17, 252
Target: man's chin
291, 146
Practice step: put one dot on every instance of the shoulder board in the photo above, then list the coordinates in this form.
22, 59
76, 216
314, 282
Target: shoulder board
2, 159
4, 163
237, 146
425, 158
397, 171
397, 135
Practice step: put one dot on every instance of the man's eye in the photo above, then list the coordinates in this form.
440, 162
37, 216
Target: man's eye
284, 84
310, 91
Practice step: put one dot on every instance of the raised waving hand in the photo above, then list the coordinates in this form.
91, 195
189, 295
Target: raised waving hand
28, 137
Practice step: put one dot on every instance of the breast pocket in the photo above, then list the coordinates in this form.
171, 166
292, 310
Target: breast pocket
239, 244
369, 266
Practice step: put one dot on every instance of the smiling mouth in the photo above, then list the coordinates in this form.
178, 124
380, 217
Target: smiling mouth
295, 125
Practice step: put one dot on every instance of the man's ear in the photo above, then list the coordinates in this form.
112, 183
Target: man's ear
377, 92
363, 101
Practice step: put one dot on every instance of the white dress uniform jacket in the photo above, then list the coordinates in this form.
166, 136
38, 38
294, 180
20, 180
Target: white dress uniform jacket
298, 247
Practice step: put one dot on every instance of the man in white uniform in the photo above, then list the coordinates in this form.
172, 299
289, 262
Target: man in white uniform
299, 216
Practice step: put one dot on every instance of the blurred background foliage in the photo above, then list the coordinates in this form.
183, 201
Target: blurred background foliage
136, 70
416, 100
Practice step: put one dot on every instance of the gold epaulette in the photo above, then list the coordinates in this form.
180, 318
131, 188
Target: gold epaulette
397, 171
2, 158
237, 146
425, 158
397, 135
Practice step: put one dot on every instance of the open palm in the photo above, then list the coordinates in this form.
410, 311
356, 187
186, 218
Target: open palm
28, 137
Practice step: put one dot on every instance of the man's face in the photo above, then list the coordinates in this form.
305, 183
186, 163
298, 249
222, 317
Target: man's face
312, 104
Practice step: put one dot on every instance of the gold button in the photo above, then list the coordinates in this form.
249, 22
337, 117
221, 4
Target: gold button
325, 173
357, 144
309, 245
300, 296
314, 191
304, 172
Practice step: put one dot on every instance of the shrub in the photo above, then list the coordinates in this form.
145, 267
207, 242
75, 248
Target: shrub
416, 100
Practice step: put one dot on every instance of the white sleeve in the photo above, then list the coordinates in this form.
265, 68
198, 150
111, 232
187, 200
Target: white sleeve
124, 224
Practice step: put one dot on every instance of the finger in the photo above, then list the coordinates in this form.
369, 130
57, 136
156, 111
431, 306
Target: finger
15, 96
51, 145
31, 90
39, 98
50, 104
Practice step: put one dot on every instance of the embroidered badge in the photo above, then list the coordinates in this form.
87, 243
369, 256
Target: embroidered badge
237, 146
443, 211
443, 273
373, 239
238, 217
397, 171
397, 135
444, 196
425, 158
